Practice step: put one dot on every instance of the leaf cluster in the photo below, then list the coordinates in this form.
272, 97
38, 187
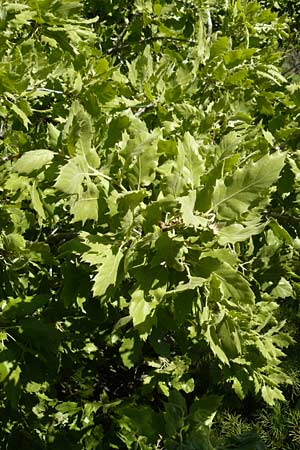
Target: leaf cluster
149, 221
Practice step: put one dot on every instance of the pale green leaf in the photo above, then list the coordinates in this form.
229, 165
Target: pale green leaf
164, 389
219, 47
141, 68
33, 160
52, 134
131, 199
283, 289
280, 232
270, 394
86, 206
188, 151
272, 73
269, 137
71, 176
238, 388
193, 283
78, 130
14, 242
238, 232
36, 202
235, 197
21, 114
237, 56
140, 154
187, 210
97, 254
140, 307
107, 273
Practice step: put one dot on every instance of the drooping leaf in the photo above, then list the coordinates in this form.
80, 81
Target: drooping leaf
37, 203
21, 115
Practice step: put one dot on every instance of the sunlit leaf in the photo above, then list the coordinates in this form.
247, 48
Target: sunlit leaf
234, 197
33, 160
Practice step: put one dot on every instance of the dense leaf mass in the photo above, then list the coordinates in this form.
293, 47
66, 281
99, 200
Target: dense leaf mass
149, 226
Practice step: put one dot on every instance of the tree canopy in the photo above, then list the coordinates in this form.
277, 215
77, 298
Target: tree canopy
149, 225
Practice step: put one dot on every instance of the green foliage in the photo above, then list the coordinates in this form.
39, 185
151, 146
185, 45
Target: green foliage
149, 223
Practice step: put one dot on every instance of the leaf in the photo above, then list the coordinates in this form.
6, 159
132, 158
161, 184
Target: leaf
36, 203
14, 242
188, 150
192, 284
142, 419
140, 308
238, 388
219, 47
72, 175
130, 200
141, 158
175, 412
78, 130
130, 351
33, 160
280, 232
270, 394
53, 135
40, 252
233, 285
273, 73
203, 410
40, 335
21, 115
12, 385
71, 277
283, 289
107, 273
234, 198
21, 307
229, 338
235, 57
238, 232
187, 210
141, 68
213, 341
171, 251
86, 206
68, 408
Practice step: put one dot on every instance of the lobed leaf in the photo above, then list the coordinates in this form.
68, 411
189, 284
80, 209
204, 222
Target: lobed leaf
233, 197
